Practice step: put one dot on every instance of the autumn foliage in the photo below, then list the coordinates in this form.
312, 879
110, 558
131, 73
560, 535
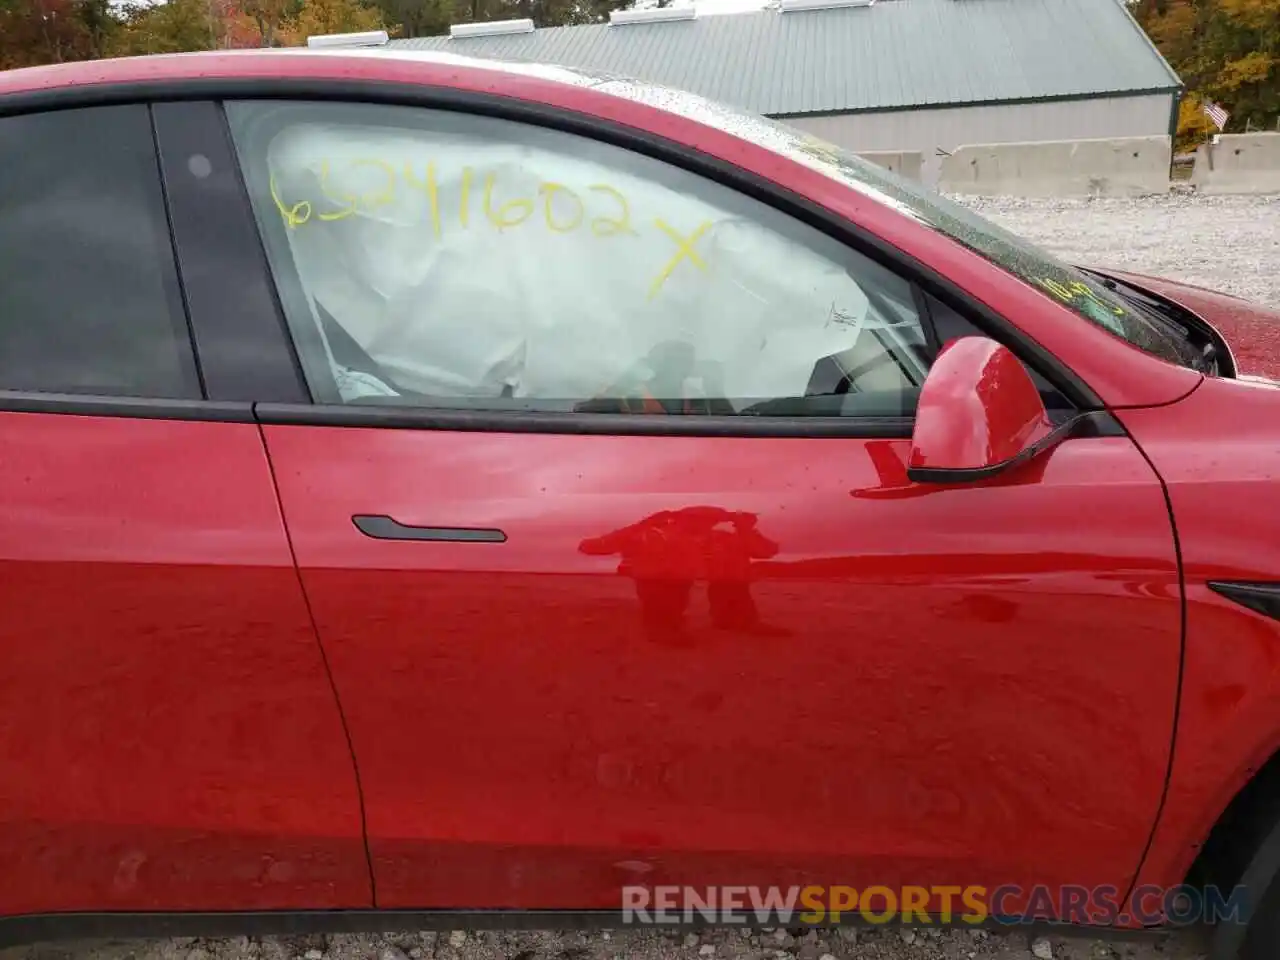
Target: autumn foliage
1227, 52
52, 31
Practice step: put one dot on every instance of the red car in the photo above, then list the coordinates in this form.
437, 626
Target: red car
433, 486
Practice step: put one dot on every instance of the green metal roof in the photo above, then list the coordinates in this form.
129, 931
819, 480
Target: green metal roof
894, 54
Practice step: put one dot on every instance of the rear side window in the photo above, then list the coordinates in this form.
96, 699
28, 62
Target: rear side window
89, 295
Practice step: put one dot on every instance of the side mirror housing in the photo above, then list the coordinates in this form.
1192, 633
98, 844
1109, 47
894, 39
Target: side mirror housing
980, 414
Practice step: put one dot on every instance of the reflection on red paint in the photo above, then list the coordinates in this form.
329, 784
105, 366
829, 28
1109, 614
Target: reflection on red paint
666, 553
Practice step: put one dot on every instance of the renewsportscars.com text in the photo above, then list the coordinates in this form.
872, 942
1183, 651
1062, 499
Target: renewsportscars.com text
939, 905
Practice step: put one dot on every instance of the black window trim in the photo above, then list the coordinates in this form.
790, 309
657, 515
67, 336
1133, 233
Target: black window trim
238, 327
635, 139
173, 252
586, 424
146, 408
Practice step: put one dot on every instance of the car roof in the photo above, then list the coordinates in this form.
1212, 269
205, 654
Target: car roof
645, 106
284, 62
648, 107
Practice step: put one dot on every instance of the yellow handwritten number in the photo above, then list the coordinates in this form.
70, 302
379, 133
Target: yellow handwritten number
1085, 290
291, 215
502, 217
563, 209
608, 226
388, 193
428, 187
1057, 289
549, 191
324, 190
1069, 293
466, 195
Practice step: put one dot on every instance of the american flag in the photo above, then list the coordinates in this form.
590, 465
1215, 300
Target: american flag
1216, 114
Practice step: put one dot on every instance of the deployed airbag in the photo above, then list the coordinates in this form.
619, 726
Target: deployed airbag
467, 266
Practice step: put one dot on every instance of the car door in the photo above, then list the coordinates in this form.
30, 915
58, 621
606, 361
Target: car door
169, 739
603, 516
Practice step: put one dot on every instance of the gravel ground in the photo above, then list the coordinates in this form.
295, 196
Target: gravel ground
864, 943
1230, 244
1227, 243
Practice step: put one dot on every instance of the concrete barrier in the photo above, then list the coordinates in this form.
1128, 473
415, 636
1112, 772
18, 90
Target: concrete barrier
906, 163
1239, 163
1126, 167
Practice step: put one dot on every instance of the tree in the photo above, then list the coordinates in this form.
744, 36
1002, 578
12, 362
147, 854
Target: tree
557, 13
174, 26
1227, 51
330, 16
100, 24
1248, 35
425, 18
421, 18
49, 31
269, 15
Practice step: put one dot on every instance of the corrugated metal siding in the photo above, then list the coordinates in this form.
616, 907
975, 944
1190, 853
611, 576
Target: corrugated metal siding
951, 127
893, 54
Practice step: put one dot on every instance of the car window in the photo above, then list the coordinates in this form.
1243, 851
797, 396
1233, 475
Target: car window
89, 296
949, 324
442, 259
1088, 296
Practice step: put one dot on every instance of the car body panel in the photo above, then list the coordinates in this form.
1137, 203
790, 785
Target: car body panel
170, 738
537, 724
1219, 456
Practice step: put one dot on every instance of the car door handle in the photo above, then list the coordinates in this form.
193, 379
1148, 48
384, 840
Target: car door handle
386, 528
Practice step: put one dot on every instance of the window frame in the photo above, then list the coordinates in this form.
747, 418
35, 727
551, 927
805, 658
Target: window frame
303, 411
261, 127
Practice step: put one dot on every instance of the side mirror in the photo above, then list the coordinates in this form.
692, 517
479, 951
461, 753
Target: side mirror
979, 415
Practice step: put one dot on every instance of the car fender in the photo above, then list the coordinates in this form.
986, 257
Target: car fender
1218, 454
1251, 331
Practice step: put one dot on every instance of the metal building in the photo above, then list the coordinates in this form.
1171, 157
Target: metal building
927, 75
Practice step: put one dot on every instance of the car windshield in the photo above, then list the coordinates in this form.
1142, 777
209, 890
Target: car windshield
1086, 295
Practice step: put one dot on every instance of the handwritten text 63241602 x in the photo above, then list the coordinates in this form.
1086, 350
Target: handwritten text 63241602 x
563, 210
